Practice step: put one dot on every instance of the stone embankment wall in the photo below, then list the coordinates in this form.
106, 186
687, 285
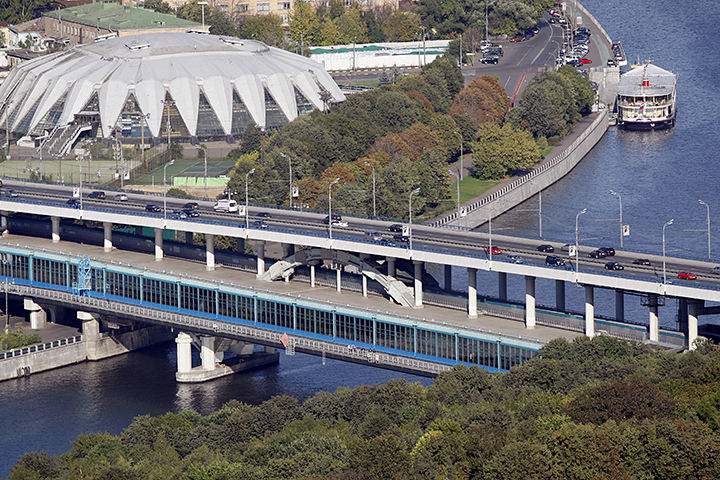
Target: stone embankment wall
541, 176
103, 347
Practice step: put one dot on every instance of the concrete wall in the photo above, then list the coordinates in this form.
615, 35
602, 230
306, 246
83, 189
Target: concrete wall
107, 346
542, 176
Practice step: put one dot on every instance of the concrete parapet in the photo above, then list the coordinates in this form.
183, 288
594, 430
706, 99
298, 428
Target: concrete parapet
256, 360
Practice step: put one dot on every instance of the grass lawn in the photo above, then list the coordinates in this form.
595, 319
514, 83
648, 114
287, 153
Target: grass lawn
471, 187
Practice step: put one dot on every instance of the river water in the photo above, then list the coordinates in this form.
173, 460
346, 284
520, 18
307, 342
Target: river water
660, 175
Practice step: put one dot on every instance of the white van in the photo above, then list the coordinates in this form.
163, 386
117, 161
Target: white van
227, 206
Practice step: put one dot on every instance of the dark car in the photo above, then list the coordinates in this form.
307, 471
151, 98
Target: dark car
546, 248
10, 193
609, 251
396, 228
336, 218
611, 62
554, 260
97, 194
687, 276
614, 266
641, 261
151, 207
190, 212
266, 214
74, 202
179, 214
488, 59
193, 205
599, 253
401, 238
259, 224
575, 63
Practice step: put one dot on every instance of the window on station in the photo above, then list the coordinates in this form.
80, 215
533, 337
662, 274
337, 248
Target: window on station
177, 125
24, 124
241, 117
274, 117
303, 104
50, 119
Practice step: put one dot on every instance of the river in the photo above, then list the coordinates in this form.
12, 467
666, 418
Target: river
660, 175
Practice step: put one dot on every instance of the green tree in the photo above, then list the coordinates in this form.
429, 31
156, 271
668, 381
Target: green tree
304, 23
446, 68
401, 27
19, 11
159, 6
220, 24
352, 27
266, 28
499, 151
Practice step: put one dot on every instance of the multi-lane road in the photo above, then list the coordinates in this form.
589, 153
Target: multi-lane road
423, 235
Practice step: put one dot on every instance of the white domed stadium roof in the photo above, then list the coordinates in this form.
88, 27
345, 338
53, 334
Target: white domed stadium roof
211, 86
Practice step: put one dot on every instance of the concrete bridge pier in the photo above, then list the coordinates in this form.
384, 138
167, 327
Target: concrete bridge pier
158, 244
502, 286
139, 230
418, 267
448, 278
189, 238
288, 249
90, 334
4, 219
589, 311
260, 253
619, 305
338, 278
560, 295
472, 292
654, 325
107, 237
209, 252
184, 353
529, 301
688, 318
390, 266
55, 229
312, 276
38, 316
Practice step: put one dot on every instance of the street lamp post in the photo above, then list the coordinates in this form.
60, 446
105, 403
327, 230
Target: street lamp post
367, 164
247, 204
165, 188
708, 224
203, 13
461, 153
330, 219
417, 190
664, 271
450, 172
204, 149
577, 249
613, 192
289, 163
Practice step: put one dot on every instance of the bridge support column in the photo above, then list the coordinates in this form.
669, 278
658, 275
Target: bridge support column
589, 311
4, 219
312, 276
139, 230
189, 238
418, 284
260, 252
529, 301
692, 324
502, 286
55, 229
390, 266
158, 244
209, 356
364, 286
560, 295
107, 237
654, 324
619, 305
90, 334
184, 352
338, 279
288, 249
448, 278
209, 252
38, 317
472, 292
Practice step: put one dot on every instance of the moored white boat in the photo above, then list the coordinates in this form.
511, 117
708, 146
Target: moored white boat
646, 98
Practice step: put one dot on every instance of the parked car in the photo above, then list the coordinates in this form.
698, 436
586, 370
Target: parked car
151, 207
489, 59
513, 258
545, 248
554, 260
495, 250
396, 228
585, 60
517, 38
611, 62
687, 276
193, 205
614, 266
264, 214
643, 261
599, 253
121, 197
74, 202
97, 194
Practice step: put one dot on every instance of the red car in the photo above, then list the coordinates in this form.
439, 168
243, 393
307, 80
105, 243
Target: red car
687, 276
495, 250
517, 38
585, 60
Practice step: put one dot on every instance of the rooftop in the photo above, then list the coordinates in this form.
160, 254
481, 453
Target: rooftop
118, 17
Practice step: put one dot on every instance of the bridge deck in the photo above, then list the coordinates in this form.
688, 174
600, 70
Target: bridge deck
172, 265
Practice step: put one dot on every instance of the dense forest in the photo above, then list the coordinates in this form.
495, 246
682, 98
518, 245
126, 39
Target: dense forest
596, 408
